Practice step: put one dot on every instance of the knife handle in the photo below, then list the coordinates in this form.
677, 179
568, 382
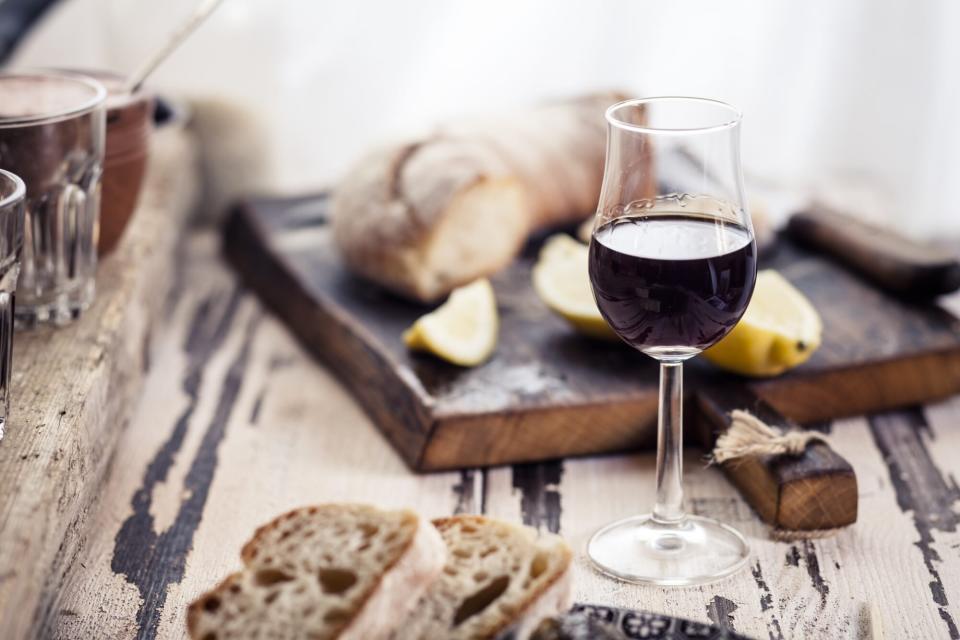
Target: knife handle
903, 266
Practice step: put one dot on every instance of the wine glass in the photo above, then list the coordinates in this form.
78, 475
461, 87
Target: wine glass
672, 263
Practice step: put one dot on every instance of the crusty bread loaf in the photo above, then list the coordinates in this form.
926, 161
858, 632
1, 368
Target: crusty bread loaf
330, 571
498, 576
426, 217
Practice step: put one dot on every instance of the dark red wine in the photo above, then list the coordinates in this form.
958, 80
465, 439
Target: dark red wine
672, 280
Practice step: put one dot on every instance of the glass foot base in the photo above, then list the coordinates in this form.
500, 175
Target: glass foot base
59, 310
694, 550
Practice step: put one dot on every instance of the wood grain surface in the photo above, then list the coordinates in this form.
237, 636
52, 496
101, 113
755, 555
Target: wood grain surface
548, 392
238, 423
72, 392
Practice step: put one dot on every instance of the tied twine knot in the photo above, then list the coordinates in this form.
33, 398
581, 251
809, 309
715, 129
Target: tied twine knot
749, 436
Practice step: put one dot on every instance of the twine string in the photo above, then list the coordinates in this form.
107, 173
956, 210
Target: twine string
749, 436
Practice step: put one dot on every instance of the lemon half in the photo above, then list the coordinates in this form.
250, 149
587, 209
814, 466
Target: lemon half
561, 280
779, 331
463, 330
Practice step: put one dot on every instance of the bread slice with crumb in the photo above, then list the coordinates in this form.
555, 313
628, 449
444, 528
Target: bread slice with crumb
498, 576
330, 571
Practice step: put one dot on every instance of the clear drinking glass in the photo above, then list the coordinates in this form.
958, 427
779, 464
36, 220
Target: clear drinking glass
12, 192
672, 264
52, 131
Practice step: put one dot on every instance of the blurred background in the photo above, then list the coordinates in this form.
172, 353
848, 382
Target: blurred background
860, 95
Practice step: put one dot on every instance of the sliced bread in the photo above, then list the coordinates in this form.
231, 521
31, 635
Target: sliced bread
498, 576
329, 571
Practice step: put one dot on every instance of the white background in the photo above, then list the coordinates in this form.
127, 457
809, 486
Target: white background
855, 89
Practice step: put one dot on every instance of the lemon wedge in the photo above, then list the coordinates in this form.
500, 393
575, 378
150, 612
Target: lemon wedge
779, 331
463, 330
561, 280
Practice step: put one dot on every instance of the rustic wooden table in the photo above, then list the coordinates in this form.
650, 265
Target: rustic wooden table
73, 389
237, 424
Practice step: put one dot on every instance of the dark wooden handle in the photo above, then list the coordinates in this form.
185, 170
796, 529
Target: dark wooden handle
898, 264
816, 490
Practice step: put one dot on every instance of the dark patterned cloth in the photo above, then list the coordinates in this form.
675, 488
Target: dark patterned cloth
594, 622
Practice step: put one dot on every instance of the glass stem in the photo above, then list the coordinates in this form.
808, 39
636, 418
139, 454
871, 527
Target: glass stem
669, 505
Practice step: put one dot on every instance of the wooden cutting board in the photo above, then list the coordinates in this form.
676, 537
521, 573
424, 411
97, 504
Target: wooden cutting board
549, 392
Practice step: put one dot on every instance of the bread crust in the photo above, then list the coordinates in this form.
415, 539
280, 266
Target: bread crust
389, 211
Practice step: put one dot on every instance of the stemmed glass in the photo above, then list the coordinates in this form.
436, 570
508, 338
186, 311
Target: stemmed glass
672, 264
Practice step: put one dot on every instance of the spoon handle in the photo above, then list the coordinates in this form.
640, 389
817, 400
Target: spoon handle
203, 10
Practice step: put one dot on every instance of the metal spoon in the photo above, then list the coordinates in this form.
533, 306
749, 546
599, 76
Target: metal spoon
203, 10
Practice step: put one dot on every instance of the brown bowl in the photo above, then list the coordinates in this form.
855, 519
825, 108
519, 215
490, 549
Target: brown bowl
129, 127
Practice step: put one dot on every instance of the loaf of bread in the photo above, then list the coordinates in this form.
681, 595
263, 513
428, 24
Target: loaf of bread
330, 571
425, 217
498, 576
